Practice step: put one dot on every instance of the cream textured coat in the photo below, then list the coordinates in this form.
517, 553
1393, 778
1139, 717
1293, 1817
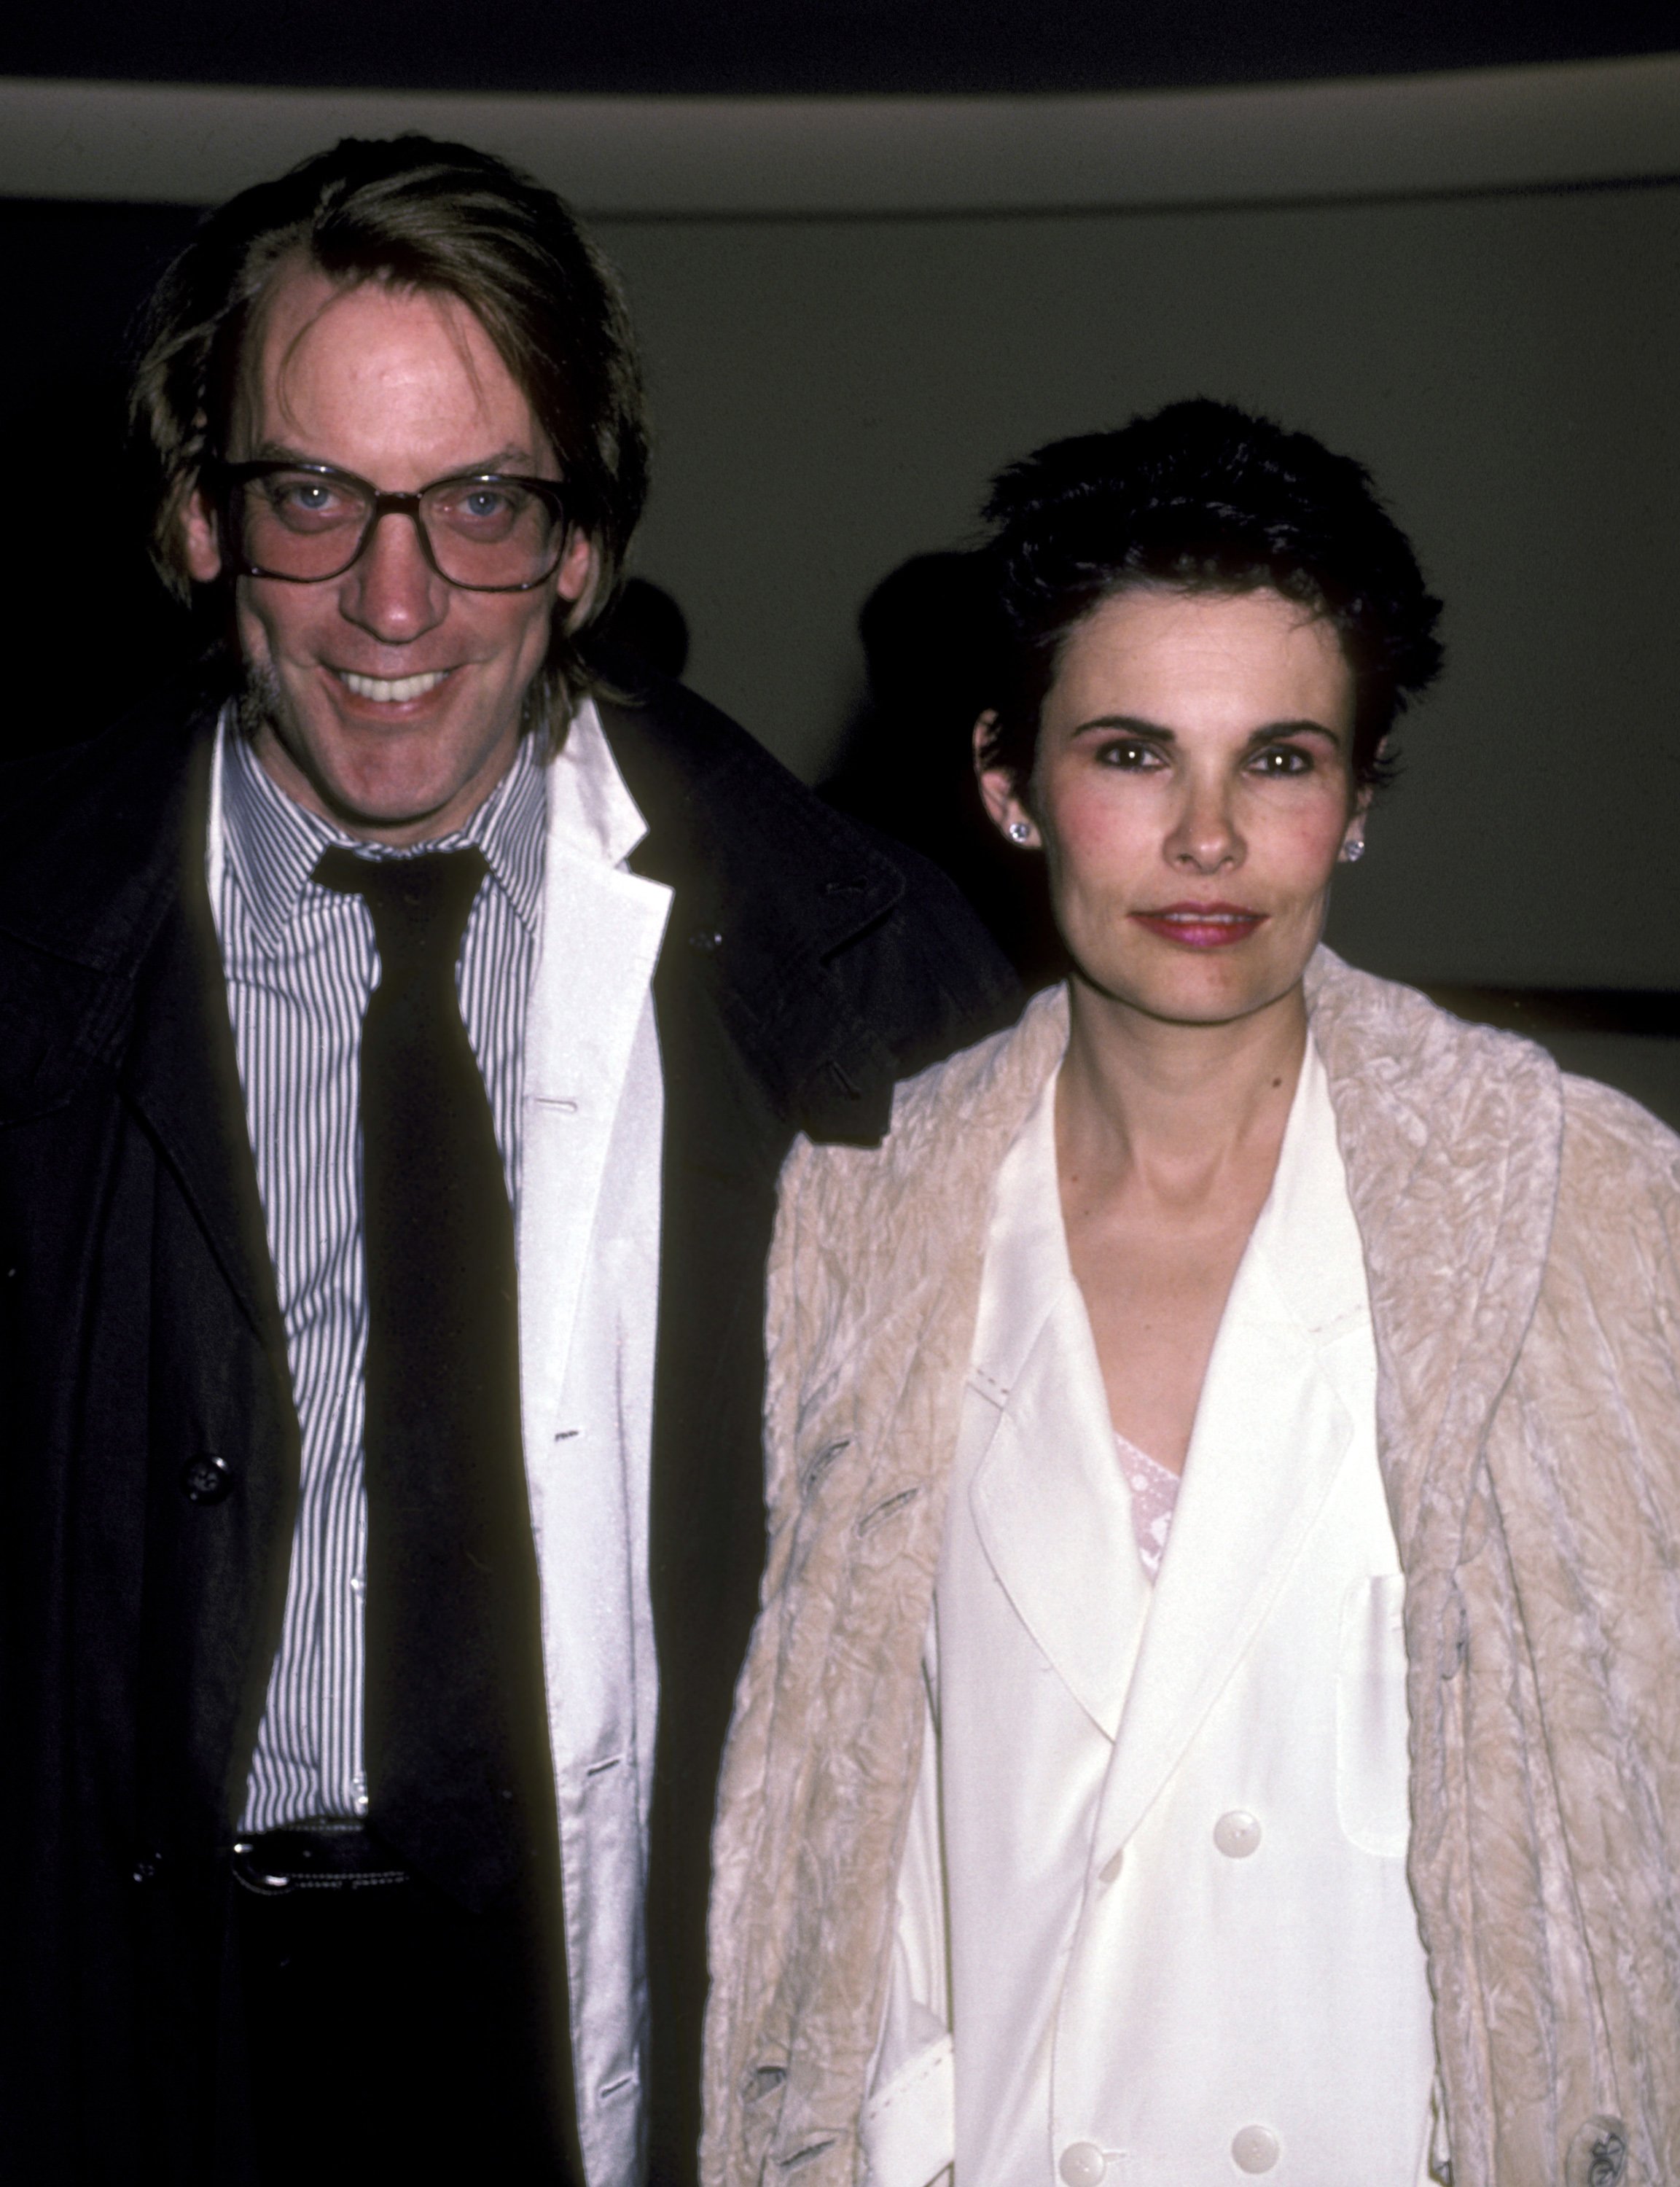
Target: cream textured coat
1520, 1233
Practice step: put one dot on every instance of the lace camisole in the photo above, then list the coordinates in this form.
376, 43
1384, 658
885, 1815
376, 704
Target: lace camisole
1154, 1494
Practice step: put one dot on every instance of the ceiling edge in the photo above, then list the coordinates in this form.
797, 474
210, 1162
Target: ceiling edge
1477, 130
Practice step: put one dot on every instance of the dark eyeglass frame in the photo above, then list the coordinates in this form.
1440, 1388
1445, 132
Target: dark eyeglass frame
229, 478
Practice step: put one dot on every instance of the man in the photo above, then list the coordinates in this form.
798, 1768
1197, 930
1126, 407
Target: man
400, 1046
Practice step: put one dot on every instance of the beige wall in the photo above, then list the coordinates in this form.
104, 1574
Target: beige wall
1446, 275
831, 395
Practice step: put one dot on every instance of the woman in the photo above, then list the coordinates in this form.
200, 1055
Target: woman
1236, 1364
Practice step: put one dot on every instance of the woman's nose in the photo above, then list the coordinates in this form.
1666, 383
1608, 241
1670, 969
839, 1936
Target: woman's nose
1205, 837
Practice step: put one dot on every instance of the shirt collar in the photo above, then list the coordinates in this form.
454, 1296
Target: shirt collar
272, 842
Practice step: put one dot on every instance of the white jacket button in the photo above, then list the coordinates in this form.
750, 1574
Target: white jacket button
1109, 1870
1236, 1835
1082, 2164
1255, 2149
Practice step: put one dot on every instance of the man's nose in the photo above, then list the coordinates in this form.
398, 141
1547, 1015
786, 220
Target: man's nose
391, 590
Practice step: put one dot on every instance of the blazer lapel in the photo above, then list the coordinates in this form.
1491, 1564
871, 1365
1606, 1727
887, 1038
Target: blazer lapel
1047, 1497
179, 1071
1271, 1434
770, 886
601, 928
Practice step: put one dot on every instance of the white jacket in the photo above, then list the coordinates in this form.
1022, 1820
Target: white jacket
1179, 1927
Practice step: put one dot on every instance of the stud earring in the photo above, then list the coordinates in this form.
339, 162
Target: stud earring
1019, 832
1353, 850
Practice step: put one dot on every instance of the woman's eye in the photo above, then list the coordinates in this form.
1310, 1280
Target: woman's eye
1128, 754
1283, 759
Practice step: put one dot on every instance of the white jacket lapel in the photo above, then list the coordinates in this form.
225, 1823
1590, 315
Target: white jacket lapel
601, 932
1048, 1500
1271, 1433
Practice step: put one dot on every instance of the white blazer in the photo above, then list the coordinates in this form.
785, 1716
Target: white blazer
1179, 1946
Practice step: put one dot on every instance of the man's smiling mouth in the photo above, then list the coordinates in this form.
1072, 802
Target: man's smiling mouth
393, 690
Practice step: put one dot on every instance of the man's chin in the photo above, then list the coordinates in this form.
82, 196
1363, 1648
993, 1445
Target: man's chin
393, 800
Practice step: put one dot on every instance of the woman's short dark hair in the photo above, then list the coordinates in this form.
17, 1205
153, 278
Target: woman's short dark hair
424, 215
1203, 497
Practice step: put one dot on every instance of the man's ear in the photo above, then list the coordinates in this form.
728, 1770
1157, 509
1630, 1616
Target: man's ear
201, 537
577, 578
1004, 807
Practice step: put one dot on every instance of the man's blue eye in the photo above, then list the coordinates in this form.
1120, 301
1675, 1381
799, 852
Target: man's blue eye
311, 501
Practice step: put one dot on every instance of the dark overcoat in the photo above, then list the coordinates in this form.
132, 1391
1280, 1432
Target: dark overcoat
805, 967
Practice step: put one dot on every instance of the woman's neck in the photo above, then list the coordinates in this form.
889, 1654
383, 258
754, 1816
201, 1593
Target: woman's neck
1173, 1108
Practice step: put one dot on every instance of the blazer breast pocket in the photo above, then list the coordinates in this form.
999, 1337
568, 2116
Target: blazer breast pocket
1373, 1776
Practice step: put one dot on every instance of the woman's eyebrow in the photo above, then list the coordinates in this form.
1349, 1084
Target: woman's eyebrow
1130, 725
1269, 732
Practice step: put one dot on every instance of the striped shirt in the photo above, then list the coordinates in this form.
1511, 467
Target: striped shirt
301, 963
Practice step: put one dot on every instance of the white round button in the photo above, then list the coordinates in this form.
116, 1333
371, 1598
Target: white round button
1255, 2149
1082, 2164
1236, 1835
1109, 1870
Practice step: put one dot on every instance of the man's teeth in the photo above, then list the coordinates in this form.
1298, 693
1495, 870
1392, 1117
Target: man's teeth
394, 689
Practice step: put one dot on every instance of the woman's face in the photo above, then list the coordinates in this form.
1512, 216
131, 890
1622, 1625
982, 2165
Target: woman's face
1192, 792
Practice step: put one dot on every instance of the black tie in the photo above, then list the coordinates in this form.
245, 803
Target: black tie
460, 1781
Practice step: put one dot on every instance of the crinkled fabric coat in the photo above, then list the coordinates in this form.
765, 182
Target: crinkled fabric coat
1520, 1229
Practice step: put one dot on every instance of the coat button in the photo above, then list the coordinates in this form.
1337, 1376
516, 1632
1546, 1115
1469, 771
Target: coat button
1109, 1870
1255, 2149
1238, 1834
1082, 2164
207, 1479
1598, 2156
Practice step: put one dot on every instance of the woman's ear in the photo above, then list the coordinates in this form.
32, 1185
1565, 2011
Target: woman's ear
1353, 835
1353, 839
1005, 806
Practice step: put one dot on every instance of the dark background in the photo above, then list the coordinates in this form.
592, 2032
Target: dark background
831, 395
746, 47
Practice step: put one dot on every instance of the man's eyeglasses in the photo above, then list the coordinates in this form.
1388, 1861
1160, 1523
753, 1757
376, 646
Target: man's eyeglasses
487, 532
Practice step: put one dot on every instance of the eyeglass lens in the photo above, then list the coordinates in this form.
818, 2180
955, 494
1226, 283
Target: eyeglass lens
487, 532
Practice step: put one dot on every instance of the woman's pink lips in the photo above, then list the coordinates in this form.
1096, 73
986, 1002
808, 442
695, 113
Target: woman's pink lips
1201, 925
